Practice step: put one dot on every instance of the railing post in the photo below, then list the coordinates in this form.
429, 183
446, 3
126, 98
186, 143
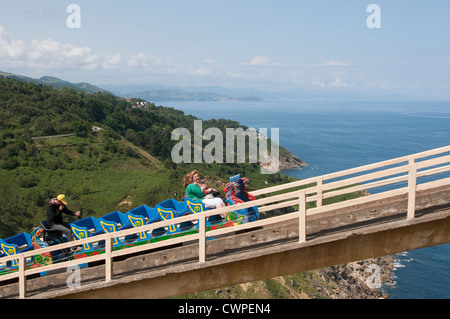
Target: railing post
319, 192
108, 259
412, 183
202, 239
302, 216
22, 277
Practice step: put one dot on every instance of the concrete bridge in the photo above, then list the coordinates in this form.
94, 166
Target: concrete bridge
406, 206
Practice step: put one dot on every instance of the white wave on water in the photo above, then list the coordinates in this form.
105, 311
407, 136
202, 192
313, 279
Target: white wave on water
401, 259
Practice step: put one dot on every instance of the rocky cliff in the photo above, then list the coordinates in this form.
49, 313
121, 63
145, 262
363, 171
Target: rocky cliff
290, 161
356, 280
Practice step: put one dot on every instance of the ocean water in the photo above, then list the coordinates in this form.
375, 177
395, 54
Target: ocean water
335, 135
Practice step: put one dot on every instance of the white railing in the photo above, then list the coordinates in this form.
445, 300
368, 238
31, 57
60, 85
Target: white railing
393, 173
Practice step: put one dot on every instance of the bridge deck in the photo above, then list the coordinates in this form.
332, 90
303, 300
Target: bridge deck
377, 228
413, 213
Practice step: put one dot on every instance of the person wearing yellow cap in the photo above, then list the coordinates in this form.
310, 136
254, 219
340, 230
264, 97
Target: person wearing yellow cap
56, 207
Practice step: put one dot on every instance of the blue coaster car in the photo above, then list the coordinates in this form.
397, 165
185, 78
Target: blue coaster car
137, 217
179, 208
15, 245
113, 222
172, 208
84, 228
196, 207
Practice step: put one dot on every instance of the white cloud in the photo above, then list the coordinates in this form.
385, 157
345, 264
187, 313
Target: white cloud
44, 53
51, 54
338, 83
385, 85
112, 61
260, 60
334, 63
234, 75
319, 83
60, 54
10, 48
48, 54
201, 72
143, 60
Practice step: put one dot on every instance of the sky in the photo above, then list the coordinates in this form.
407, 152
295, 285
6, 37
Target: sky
397, 47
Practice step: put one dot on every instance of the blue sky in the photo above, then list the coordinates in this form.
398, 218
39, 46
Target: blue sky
272, 45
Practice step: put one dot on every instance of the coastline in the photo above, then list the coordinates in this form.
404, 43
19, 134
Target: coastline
289, 161
354, 280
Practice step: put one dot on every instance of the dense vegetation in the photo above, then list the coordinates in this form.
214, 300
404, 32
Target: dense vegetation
123, 165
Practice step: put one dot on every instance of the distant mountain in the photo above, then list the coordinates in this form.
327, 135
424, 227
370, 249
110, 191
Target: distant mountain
55, 82
58, 83
297, 94
158, 95
154, 92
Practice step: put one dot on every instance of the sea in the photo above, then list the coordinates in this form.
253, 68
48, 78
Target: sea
334, 135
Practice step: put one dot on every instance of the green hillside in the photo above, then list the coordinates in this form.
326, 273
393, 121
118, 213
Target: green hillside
124, 164
55, 82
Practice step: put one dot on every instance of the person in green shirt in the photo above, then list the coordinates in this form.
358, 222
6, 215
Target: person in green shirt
201, 192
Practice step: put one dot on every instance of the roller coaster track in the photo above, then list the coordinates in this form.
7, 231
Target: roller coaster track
406, 206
